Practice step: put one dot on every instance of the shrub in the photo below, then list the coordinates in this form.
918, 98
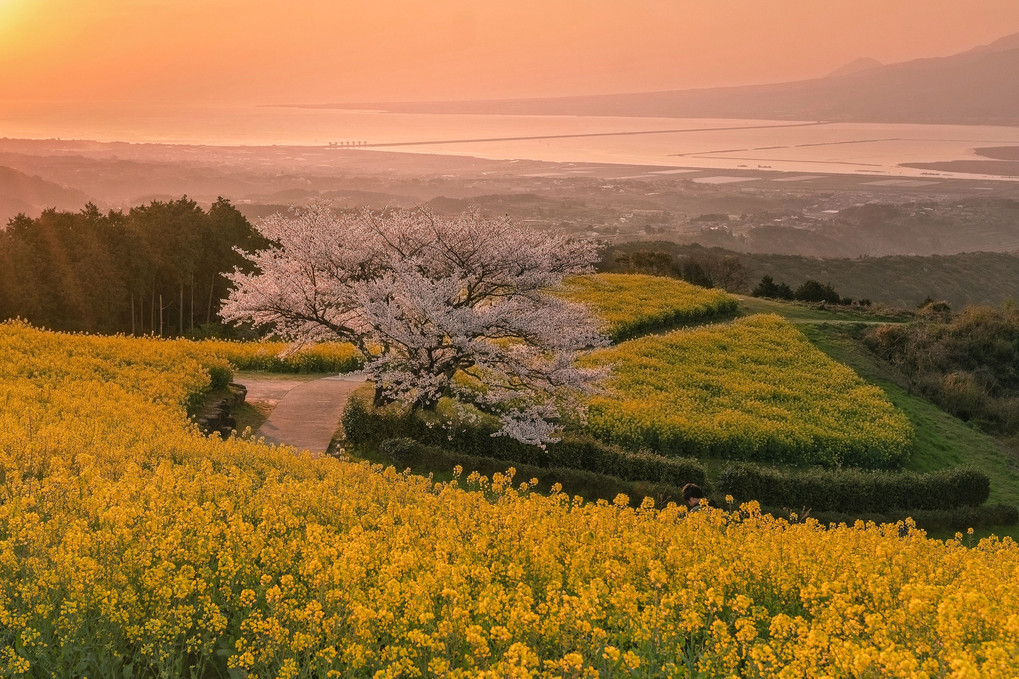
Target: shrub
584, 452
958, 519
769, 288
967, 363
362, 423
406, 453
855, 491
472, 435
814, 291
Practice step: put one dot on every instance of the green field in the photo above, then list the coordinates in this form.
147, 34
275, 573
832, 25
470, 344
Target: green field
942, 440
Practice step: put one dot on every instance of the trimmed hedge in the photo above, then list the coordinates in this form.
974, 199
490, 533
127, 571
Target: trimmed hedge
958, 519
364, 424
583, 452
855, 491
418, 457
406, 453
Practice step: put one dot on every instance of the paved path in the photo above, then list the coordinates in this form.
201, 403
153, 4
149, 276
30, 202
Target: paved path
306, 412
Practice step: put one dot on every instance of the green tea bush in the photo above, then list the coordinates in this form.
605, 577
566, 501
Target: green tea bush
856, 491
406, 453
958, 519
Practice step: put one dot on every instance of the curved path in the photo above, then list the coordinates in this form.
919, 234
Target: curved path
306, 412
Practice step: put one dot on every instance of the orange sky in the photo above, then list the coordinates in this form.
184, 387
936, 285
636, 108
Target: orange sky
272, 51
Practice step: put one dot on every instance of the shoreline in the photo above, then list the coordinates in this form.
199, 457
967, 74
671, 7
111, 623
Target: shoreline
333, 161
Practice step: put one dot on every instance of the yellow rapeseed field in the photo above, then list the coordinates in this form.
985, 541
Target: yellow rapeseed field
132, 546
633, 304
277, 357
755, 389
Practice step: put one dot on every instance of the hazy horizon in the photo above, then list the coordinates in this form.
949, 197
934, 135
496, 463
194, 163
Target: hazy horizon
232, 52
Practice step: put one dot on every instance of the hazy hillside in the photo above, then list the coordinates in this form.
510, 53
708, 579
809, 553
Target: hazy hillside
28, 194
856, 67
901, 281
963, 279
974, 87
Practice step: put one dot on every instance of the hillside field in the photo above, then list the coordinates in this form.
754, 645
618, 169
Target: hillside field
754, 389
195, 556
132, 545
751, 407
631, 305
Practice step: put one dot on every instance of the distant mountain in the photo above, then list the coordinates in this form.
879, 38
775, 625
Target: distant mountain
20, 192
974, 87
1009, 42
856, 67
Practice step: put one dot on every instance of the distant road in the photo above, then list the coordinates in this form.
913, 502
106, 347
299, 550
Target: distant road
591, 134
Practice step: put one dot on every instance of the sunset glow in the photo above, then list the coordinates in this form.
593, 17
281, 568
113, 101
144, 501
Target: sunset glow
260, 51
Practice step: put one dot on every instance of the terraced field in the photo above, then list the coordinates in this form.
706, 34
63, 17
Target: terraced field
754, 389
131, 545
632, 304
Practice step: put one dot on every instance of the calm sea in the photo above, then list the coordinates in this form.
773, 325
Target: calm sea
806, 146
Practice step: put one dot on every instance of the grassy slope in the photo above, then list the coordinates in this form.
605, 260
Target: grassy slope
941, 439
796, 312
251, 415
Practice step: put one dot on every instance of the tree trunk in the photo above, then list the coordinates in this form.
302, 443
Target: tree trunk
160, 314
380, 399
132, 313
212, 290
180, 312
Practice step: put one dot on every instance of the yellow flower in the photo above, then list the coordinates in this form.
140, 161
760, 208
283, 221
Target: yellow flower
126, 532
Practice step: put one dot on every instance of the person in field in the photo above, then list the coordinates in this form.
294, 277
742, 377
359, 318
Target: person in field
692, 496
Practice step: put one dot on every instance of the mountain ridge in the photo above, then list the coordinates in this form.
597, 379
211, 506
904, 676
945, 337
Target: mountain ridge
855, 67
975, 87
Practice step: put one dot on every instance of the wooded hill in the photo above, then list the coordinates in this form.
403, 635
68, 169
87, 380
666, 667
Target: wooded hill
899, 281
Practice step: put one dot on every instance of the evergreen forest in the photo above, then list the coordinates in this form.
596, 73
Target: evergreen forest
155, 269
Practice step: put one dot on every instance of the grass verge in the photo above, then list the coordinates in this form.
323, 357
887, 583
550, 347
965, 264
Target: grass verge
942, 440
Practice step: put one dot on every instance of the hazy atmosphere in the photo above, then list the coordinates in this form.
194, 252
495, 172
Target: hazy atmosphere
555, 339
321, 51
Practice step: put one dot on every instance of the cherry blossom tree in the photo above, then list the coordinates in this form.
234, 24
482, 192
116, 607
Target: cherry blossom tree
441, 307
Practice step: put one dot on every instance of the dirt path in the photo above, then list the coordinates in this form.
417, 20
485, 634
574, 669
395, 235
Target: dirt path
306, 412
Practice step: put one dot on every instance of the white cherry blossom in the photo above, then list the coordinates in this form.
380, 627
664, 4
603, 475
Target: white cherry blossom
427, 298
